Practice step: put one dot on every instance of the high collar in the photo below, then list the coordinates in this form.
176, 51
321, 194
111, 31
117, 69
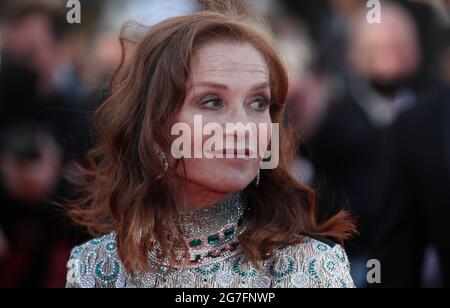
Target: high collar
196, 224
211, 234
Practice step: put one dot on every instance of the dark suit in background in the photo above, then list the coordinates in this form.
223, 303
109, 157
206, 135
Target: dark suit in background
414, 204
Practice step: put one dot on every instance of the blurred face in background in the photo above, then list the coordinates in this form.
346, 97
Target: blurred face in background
308, 90
386, 54
30, 40
29, 162
30, 180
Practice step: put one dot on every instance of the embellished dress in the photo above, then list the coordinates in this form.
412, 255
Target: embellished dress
216, 259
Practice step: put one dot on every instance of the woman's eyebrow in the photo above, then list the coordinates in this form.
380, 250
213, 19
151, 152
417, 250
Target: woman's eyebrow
262, 85
209, 84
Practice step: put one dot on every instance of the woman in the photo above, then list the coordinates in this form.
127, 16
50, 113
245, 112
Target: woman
200, 222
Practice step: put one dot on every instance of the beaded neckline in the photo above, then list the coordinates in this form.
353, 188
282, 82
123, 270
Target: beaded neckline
212, 233
195, 223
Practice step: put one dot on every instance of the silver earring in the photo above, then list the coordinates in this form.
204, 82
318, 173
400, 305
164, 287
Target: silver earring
164, 161
258, 178
163, 158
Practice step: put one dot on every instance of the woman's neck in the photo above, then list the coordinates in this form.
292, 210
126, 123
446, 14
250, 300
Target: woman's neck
200, 198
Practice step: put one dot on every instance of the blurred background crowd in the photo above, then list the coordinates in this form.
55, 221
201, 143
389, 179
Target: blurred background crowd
371, 103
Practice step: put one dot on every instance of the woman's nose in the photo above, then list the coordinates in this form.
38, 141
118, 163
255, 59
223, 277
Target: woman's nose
239, 127
238, 115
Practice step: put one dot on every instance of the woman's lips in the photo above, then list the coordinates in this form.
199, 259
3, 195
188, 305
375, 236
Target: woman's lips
232, 154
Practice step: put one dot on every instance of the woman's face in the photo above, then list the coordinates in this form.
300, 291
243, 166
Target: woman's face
229, 84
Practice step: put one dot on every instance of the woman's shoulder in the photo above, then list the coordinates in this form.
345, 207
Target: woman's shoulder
105, 244
94, 262
318, 263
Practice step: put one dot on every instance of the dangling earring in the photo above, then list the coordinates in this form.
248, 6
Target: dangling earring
164, 161
162, 157
258, 178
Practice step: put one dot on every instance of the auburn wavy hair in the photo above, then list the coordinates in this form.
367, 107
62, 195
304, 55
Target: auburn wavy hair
121, 190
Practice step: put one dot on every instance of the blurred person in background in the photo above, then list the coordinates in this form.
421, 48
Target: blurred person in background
39, 137
374, 73
383, 60
35, 34
326, 22
103, 50
414, 202
309, 88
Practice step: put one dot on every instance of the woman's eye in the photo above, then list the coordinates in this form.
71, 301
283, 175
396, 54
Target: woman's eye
260, 104
212, 103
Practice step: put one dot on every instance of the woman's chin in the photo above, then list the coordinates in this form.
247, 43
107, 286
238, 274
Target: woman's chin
233, 184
